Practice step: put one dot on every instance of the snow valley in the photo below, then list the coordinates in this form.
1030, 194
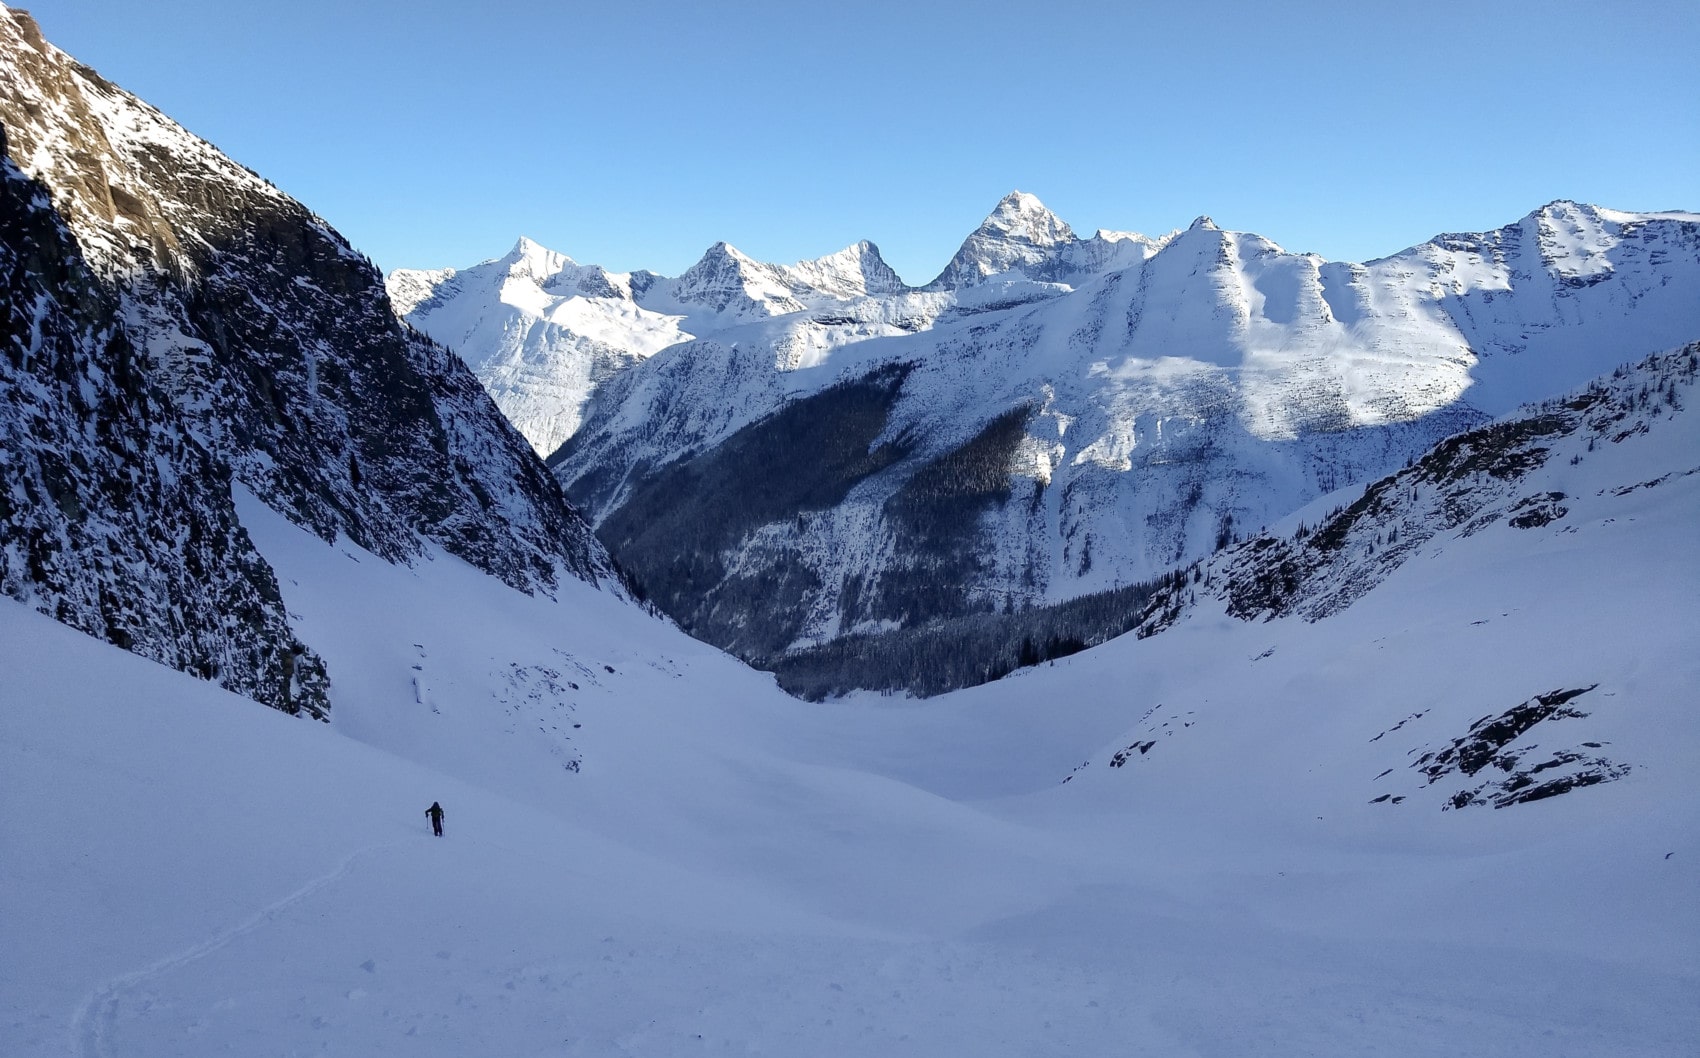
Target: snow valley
1308, 646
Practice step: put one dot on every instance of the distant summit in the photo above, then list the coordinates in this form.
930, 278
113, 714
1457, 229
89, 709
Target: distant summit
1021, 236
855, 271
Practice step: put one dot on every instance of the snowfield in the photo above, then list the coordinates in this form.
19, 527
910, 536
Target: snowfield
651, 851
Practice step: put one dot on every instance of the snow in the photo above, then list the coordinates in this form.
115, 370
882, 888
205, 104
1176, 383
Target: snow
542, 332
539, 330
1277, 376
705, 865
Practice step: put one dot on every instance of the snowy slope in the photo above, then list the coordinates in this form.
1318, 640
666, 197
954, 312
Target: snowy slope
705, 865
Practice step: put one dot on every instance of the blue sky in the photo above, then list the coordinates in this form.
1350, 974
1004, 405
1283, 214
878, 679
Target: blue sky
634, 135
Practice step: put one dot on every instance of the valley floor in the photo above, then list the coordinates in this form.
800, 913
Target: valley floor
651, 851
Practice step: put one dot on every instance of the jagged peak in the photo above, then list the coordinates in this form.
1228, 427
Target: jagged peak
531, 258
1203, 223
726, 277
1564, 208
855, 270
1023, 217
1020, 233
726, 249
721, 256
1020, 202
856, 253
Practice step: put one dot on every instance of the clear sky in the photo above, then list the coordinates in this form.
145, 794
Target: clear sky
635, 134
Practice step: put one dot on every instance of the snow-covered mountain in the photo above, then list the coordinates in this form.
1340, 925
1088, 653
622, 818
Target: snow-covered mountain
549, 330
543, 332
1453, 814
1022, 236
177, 326
1023, 440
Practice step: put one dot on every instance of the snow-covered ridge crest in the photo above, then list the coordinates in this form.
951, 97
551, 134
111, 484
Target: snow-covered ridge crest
1202, 379
542, 331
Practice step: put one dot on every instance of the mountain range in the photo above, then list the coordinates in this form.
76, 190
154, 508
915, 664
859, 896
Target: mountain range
1048, 418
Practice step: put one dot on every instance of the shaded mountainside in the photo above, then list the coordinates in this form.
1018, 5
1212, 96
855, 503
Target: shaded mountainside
679, 525
265, 344
945, 655
766, 544
113, 519
1501, 474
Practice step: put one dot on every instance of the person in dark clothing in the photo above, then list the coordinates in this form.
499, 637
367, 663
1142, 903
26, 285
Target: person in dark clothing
436, 814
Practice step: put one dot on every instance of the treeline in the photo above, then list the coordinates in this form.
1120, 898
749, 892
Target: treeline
965, 651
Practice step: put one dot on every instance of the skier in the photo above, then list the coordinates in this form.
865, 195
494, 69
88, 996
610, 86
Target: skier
436, 814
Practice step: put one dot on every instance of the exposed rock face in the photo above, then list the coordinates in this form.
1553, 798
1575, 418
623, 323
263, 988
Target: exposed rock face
113, 519
268, 354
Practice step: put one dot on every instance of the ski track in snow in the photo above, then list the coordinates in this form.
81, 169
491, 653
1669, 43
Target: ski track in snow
95, 1019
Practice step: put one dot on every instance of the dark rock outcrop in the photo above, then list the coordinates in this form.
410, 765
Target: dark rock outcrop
195, 312
114, 519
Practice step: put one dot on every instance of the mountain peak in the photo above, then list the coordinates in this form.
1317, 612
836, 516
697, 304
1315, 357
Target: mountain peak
855, 271
1019, 202
534, 260
728, 280
1020, 234
1203, 223
1022, 217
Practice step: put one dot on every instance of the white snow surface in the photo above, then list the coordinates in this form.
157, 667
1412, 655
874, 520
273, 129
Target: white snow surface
706, 866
